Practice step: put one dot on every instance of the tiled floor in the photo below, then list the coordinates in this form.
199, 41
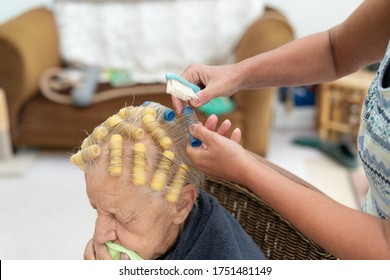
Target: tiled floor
45, 214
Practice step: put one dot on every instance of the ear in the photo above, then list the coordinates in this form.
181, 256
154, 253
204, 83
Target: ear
185, 203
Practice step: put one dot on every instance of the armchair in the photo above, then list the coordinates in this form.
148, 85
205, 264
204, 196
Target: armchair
29, 45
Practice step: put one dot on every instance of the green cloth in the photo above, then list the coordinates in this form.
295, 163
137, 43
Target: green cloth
115, 251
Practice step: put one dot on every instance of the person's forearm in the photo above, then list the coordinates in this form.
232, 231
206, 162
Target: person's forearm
338, 229
301, 62
357, 42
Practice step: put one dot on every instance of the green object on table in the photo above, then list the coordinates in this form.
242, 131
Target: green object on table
119, 77
218, 106
340, 151
115, 251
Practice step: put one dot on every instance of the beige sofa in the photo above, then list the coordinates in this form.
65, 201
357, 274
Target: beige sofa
29, 45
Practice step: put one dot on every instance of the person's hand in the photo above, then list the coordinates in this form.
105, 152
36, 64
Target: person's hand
224, 128
95, 251
215, 81
219, 156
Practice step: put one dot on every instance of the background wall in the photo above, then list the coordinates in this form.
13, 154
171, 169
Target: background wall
307, 16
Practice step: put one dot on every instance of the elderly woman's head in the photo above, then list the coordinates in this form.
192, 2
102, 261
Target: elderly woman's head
139, 177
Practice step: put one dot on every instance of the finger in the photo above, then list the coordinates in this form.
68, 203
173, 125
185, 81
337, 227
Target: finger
196, 155
89, 251
124, 256
211, 122
203, 98
224, 127
177, 105
236, 135
101, 252
202, 133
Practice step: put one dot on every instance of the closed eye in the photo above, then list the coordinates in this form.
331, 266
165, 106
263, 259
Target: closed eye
132, 218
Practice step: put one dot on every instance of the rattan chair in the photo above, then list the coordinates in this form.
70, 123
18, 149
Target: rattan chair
276, 237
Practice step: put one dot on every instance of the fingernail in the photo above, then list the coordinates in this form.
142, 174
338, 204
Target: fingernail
195, 101
192, 127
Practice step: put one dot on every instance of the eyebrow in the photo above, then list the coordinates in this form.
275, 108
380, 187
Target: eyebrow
128, 217
93, 206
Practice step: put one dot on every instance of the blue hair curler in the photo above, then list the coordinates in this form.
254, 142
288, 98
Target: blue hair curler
190, 118
169, 115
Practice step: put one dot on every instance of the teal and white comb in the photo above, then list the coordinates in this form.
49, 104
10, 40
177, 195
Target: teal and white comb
180, 87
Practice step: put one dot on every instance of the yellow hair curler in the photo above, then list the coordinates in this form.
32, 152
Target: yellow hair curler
149, 111
85, 155
160, 176
177, 184
116, 153
131, 130
99, 133
139, 164
114, 120
157, 132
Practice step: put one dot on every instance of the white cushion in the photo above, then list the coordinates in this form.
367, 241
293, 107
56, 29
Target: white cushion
152, 37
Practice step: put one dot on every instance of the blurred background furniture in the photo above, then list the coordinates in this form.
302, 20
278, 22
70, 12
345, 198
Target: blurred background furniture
339, 105
5, 139
29, 45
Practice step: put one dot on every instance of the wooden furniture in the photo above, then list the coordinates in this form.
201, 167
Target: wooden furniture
5, 139
339, 105
29, 45
276, 237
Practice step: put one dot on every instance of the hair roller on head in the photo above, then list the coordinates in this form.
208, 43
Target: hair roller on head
77, 160
190, 118
169, 115
149, 111
122, 112
157, 132
160, 176
177, 184
114, 120
85, 155
134, 111
116, 154
139, 164
130, 130
98, 134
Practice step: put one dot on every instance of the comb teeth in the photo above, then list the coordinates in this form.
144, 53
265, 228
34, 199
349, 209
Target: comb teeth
179, 90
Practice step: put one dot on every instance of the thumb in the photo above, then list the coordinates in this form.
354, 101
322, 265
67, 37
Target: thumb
203, 97
200, 132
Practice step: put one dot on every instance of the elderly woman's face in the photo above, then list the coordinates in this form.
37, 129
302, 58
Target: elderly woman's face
127, 216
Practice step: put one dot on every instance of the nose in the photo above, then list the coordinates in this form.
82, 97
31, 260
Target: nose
105, 227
